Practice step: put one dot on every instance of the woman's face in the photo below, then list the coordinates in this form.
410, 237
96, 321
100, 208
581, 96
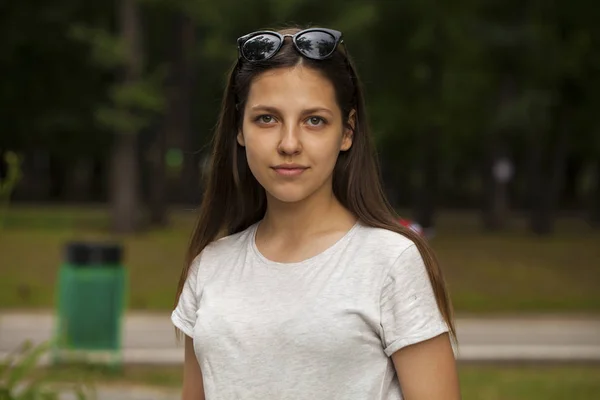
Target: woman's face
293, 132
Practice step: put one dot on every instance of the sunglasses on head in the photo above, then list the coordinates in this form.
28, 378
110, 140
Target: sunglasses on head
313, 43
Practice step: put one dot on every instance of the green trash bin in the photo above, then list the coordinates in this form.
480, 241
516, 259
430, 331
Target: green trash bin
92, 283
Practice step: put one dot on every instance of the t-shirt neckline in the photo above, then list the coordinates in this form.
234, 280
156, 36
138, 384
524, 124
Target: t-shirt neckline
309, 261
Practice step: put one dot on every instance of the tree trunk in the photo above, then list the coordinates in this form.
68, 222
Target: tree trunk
98, 188
190, 182
536, 182
158, 148
429, 148
3, 165
124, 162
427, 186
496, 211
546, 191
124, 189
158, 208
495, 204
78, 180
57, 177
175, 132
595, 198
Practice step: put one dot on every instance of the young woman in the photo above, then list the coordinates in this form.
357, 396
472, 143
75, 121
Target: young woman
300, 281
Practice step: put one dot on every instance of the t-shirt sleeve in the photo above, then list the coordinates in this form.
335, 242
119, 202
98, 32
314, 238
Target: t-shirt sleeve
184, 315
409, 311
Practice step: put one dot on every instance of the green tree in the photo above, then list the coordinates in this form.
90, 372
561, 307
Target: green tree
135, 99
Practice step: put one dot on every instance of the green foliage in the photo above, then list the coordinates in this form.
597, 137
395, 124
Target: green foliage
21, 379
356, 17
422, 63
107, 50
133, 104
9, 183
14, 175
531, 110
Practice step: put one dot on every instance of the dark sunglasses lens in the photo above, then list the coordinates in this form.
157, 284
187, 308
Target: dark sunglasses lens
260, 47
316, 44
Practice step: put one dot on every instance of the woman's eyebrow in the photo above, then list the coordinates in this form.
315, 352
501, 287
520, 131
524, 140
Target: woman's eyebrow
275, 110
261, 107
317, 110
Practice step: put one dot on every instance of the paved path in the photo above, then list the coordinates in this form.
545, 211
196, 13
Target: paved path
150, 338
118, 392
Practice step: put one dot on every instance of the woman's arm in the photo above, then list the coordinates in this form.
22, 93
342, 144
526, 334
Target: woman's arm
193, 387
427, 370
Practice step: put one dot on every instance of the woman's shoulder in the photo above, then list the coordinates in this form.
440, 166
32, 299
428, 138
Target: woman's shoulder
226, 244
220, 248
381, 242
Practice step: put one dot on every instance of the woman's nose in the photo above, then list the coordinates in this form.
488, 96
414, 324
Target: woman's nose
290, 140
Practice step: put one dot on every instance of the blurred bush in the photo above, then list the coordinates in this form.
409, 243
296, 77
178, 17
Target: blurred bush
22, 379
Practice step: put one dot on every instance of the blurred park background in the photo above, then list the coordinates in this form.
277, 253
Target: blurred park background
485, 115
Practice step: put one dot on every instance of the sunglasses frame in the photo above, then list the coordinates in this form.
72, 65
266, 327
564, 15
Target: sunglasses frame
241, 41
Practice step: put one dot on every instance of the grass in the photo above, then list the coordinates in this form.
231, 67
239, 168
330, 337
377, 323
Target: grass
506, 272
169, 377
477, 382
530, 383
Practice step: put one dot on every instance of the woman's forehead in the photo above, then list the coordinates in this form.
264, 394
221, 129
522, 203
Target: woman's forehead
292, 87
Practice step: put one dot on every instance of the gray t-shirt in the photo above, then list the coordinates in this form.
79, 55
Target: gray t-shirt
323, 328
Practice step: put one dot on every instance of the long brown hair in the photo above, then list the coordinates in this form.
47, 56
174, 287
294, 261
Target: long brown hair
234, 200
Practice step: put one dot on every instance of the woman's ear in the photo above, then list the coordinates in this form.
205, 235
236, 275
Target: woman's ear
348, 135
352, 119
240, 138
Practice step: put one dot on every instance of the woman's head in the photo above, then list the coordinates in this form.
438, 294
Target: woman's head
293, 109
282, 90
292, 131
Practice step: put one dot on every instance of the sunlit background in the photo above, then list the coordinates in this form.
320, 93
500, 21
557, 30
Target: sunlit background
485, 115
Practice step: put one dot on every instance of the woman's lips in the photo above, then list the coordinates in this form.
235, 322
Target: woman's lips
290, 169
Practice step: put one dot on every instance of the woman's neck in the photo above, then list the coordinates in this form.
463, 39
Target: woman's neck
317, 213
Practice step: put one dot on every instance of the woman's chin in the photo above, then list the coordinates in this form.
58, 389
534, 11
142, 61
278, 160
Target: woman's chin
288, 196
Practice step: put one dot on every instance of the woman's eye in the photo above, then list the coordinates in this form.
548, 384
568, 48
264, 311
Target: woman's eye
265, 119
316, 121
